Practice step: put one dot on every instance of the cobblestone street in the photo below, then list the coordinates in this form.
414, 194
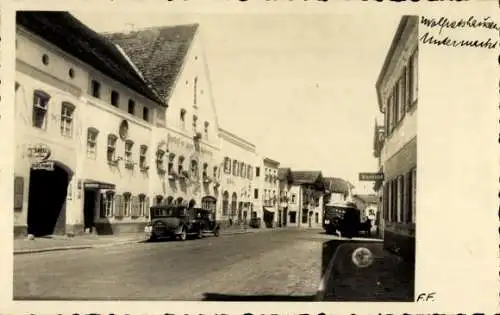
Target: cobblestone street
282, 263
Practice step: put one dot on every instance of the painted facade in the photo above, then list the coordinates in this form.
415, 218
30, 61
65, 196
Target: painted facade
397, 90
240, 176
269, 183
63, 147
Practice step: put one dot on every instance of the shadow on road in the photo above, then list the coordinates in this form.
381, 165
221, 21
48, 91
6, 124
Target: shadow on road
257, 298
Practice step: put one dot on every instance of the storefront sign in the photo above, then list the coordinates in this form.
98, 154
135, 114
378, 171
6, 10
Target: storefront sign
371, 176
39, 152
43, 165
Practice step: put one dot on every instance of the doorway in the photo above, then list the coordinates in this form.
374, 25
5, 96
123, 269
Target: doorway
47, 201
89, 208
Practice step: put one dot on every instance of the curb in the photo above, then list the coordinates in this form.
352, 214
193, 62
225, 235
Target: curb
50, 249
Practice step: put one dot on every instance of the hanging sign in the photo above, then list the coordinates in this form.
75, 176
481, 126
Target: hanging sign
371, 176
43, 165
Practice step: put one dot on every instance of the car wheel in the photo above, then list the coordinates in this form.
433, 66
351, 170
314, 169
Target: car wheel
183, 235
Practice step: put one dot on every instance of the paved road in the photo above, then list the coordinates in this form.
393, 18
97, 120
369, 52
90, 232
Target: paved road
273, 265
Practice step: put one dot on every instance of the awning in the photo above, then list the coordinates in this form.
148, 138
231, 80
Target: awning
89, 183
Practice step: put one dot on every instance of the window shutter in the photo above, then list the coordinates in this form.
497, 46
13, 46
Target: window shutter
18, 193
118, 206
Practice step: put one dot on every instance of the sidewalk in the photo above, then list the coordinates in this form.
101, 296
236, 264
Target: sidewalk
58, 243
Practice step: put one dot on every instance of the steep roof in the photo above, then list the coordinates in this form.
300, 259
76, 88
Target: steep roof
158, 53
368, 198
63, 30
285, 173
337, 185
306, 177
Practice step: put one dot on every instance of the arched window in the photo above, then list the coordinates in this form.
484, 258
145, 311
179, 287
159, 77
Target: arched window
171, 158
234, 203
158, 200
225, 203
180, 166
170, 200
178, 201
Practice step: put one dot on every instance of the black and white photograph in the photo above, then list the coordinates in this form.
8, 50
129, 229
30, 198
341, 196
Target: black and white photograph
215, 157
163, 155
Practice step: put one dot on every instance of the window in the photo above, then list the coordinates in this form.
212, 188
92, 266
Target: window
304, 215
388, 116
183, 118
413, 76
195, 119
234, 204
195, 91
127, 204
249, 172
294, 196
128, 153
71, 73
243, 170
114, 98
316, 218
293, 217
400, 192
160, 154
235, 167
257, 171
131, 107
180, 167
206, 129
107, 204
92, 143
225, 203
395, 103
145, 113
112, 147
158, 200
67, 111
143, 156
143, 205
96, 89
45, 59
171, 163
194, 169
40, 108
402, 95
256, 193
215, 174
227, 165
205, 170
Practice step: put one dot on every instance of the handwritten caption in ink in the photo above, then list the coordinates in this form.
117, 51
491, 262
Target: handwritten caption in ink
444, 24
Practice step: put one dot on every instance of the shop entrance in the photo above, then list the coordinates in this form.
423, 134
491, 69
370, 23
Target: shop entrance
89, 203
48, 189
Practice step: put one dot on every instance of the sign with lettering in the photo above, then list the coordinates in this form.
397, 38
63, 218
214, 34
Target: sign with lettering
39, 152
371, 176
43, 165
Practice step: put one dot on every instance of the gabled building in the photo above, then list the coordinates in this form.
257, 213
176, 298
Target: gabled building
397, 91
186, 144
269, 186
306, 199
337, 190
82, 159
285, 177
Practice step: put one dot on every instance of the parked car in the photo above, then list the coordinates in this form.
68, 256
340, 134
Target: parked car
343, 217
180, 222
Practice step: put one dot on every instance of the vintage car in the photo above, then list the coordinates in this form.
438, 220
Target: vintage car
343, 217
179, 222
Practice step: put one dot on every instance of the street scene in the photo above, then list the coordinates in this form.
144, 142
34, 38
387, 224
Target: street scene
204, 158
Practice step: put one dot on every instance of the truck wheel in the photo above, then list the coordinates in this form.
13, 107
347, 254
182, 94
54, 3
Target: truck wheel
183, 235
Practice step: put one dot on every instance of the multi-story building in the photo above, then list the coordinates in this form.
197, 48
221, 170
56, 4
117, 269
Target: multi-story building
305, 208
269, 186
239, 179
81, 159
285, 178
187, 149
378, 143
338, 190
397, 90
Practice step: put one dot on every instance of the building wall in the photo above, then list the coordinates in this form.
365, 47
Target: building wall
66, 79
237, 150
294, 205
270, 189
191, 95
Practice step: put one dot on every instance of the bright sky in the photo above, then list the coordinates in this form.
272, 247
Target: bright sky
300, 87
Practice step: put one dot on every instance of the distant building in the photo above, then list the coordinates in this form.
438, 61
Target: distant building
397, 90
270, 192
239, 180
306, 199
368, 205
285, 177
337, 190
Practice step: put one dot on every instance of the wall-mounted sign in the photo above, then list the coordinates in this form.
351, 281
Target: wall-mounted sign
39, 152
43, 165
123, 130
371, 176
